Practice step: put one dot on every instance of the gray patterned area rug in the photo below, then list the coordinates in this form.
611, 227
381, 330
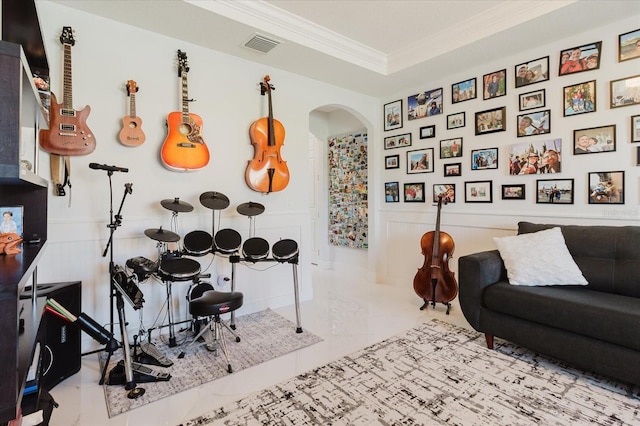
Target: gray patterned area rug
437, 373
264, 335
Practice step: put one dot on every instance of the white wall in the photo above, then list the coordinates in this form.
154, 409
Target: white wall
105, 56
473, 225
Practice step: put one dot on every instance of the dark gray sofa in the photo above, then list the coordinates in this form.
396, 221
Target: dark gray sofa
594, 327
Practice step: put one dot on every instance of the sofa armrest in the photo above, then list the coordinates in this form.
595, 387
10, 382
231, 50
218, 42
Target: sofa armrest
476, 272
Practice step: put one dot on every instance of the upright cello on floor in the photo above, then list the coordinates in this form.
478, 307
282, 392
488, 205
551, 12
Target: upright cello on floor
434, 282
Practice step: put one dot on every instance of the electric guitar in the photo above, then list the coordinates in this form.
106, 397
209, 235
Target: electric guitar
184, 149
68, 133
131, 133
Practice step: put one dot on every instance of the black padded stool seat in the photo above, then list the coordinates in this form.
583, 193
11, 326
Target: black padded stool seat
214, 302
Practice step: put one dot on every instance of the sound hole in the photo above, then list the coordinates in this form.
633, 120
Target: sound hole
133, 125
184, 129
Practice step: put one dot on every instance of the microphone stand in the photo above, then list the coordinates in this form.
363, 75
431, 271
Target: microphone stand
114, 222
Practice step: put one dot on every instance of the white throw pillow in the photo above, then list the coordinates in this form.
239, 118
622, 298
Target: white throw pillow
539, 258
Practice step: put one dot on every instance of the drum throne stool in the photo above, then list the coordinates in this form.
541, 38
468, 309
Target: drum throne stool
213, 304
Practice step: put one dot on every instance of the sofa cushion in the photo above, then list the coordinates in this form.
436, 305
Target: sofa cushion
608, 256
539, 258
608, 317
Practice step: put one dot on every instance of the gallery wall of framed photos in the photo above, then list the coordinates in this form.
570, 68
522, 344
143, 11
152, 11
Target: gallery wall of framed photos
557, 125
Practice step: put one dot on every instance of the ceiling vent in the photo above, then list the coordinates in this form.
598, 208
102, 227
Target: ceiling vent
261, 43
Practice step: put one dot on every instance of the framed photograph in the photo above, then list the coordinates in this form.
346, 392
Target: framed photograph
478, 192
391, 192
513, 192
12, 220
398, 141
625, 92
530, 158
453, 169
580, 59
554, 191
425, 104
534, 123
532, 72
420, 161
638, 156
629, 45
532, 100
484, 159
494, 84
491, 120
579, 98
393, 115
451, 148
606, 187
446, 190
414, 192
594, 140
392, 162
427, 132
635, 128
463, 91
455, 121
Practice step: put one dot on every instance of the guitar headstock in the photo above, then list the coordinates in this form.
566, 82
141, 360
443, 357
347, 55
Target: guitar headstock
265, 86
183, 63
67, 36
132, 87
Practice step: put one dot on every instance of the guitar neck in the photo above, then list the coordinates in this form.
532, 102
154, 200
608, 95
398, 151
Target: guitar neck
67, 85
185, 99
132, 105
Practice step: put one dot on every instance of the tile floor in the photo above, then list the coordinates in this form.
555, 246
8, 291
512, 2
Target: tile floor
347, 312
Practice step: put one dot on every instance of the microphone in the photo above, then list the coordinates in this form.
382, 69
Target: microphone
97, 166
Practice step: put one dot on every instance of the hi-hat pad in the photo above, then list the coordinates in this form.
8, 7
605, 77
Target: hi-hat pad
214, 200
176, 205
160, 234
250, 209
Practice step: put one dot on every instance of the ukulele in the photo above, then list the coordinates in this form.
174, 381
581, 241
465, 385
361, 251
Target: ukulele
68, 133
131, 133
184, 149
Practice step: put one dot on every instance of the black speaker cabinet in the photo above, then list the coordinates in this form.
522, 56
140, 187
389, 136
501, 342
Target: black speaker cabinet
59, 339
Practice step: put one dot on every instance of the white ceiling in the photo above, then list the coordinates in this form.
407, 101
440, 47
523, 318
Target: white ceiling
376, 47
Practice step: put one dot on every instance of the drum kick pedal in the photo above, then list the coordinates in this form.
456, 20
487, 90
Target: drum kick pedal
141, 374
149, 354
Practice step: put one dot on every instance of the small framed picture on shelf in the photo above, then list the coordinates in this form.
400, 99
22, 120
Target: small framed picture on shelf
532, 100
491, 120
580, 58
629, 46
445, 190
625, 91
12, 220
531, 72
420, 161
392, 162
428, 132
391, 192
484, 159
579, 98
494, 84
463, 91
594, 140
513, 192
478, 192
451, 148
554, 191
414, 192
455, 121
534, 123
453, 169
635, 128
397, 141
393, 115
606, 187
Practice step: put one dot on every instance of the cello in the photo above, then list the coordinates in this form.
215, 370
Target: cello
267, 171
434, 282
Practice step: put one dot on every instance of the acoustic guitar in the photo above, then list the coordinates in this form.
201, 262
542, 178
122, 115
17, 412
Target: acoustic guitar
184, 149
68, 133
131, 133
